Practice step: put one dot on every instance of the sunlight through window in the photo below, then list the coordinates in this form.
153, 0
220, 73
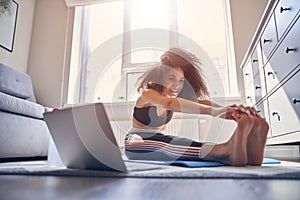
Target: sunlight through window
149, 14
183, 24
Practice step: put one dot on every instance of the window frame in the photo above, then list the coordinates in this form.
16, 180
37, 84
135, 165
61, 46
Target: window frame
126, 57
127, 67
131, 68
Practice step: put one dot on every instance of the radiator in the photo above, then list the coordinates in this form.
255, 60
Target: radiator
120, 129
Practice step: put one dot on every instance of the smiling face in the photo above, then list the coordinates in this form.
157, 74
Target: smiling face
173, 82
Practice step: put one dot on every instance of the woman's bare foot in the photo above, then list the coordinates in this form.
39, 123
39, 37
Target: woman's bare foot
257, 141
233, 152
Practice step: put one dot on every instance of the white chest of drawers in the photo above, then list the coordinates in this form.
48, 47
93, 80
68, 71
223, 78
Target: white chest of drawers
271, 71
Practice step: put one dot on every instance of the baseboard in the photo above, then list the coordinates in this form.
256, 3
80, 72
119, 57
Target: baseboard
282, 151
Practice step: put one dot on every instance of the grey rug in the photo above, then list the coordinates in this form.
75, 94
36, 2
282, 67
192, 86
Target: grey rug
284, 170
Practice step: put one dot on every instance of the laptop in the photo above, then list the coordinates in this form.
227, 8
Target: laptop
85, 140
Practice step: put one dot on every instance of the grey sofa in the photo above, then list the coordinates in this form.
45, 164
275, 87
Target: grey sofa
23, 133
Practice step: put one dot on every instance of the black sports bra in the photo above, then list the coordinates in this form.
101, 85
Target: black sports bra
148, 116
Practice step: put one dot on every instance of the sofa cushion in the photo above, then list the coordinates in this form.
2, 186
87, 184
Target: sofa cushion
15, 83
22, 136
16, 105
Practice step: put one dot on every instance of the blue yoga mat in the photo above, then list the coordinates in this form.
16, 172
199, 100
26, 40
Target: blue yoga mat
196, 164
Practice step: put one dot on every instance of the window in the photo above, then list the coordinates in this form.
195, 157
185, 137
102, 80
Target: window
94, 75
145, 14
115, 42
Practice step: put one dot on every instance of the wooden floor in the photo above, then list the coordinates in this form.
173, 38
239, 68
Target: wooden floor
73, 188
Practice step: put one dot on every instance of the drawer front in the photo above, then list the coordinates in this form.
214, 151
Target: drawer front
250, 95
264, 112
256, 59
248, 74
292, 91
285, 59
259, 86
268, 39
262, 108
285, 12
285, 107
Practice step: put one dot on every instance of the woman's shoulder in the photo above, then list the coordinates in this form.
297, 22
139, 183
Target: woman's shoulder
148, 93
148, 97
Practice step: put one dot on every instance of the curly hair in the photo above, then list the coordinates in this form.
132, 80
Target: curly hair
194, 86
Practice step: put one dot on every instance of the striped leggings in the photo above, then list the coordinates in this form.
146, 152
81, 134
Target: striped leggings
158, 146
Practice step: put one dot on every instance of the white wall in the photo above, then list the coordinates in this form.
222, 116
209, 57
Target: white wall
246, 15
50, 50
18, 59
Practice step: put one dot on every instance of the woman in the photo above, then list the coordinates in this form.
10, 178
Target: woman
176, 84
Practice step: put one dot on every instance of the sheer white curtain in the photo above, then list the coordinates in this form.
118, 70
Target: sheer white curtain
72, 3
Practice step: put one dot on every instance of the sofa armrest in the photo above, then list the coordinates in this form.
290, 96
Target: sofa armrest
20, 106
16, 83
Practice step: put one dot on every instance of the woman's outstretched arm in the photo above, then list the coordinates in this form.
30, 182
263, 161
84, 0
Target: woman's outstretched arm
209, 103
153, 97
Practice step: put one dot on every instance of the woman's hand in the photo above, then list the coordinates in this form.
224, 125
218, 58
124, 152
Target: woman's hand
247, 109
227, 112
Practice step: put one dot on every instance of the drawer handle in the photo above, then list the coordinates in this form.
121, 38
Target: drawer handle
257, 87
296, 101
255, 60
247, 74
271, 73
287, 50
250, 98
278, 116
284, 9
266, 40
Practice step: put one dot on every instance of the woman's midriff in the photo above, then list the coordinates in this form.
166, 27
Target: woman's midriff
137, 124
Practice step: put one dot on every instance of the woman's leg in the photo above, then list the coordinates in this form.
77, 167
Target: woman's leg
233, 152
158, 146
246, 146
257, 141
